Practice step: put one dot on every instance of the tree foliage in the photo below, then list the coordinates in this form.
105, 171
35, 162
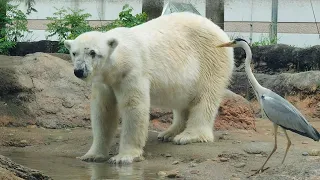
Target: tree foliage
13, 27
69, 24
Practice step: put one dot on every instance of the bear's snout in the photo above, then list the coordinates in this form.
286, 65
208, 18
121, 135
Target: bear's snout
79, 73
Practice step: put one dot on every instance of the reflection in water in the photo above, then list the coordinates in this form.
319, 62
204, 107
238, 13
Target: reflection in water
71, 168
106, 171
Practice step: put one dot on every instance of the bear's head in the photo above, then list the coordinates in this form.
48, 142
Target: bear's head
90, 52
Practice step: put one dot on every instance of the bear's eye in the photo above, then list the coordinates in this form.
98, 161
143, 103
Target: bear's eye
74, 54
92, 53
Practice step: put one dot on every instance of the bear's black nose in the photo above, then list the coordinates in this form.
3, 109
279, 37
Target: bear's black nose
79, 73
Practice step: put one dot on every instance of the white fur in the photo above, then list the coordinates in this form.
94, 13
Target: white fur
169, 62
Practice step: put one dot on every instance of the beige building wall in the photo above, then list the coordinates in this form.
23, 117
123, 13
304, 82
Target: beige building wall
296, 20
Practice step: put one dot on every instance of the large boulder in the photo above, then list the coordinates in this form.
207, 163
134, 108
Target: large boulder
235, 112
10, 170
42, 90
301, 89
303, 83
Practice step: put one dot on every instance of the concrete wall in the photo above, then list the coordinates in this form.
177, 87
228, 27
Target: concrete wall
296, 21
101, 11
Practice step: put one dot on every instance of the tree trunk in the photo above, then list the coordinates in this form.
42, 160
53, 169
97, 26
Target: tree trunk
215, 11
3, 14
152, 7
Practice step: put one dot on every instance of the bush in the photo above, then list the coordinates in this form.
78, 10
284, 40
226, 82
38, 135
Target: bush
15, 25
70, 24
125, 19
67, 25
264, 41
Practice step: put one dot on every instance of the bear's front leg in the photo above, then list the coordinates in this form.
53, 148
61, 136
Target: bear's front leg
134, 104
104, 120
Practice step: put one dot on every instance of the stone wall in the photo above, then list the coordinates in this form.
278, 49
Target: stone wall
271, 59
24, 48
275, 59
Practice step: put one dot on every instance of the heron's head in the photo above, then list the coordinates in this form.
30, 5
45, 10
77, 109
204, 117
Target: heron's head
235, 43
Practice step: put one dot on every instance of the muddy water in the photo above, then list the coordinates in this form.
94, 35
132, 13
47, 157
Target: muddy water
67, 168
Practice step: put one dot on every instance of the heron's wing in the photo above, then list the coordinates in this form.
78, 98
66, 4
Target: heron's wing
281, 112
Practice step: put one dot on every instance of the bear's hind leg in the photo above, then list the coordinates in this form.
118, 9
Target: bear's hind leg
179, 123
104, 120
200, 123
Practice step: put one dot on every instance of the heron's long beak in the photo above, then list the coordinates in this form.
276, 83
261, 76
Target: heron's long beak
229, 44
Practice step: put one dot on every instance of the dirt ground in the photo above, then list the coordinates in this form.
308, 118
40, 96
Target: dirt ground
233, 155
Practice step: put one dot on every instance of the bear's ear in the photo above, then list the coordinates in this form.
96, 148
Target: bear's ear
112, 43
68, 43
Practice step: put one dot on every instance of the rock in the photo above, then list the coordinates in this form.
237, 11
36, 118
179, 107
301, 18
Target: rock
162, 173
158, 125
304, 142
193, 164
14, 171
194, 171
240, 165
305, 154
15, 143
314, 152
285, 84
257, 147
32, 126
231, 155
43, 91
172, 174
236, 142
175, 162
234, 175
235, 112
215, 159
223, 159
169, 174
168, 155
7, 175
6, 120
59, 138
156, 113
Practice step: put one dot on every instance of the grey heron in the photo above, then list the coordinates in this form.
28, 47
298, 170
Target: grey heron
278, 110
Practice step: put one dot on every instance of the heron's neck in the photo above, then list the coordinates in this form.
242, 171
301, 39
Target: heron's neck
249, 73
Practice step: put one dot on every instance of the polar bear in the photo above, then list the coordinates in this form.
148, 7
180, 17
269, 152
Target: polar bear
168, 62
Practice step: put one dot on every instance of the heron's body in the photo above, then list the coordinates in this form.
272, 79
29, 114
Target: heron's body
281, 112
278, 110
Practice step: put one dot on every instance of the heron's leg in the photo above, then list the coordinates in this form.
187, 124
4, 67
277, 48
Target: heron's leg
275, 126
288, 145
